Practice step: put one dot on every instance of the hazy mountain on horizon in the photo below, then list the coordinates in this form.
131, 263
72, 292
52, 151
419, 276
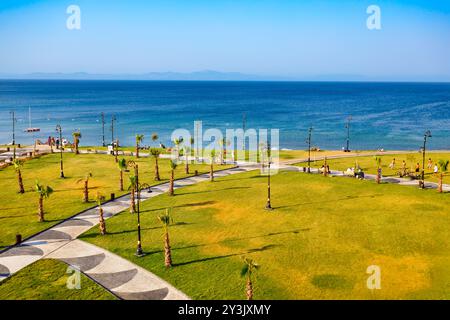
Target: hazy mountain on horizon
212, 75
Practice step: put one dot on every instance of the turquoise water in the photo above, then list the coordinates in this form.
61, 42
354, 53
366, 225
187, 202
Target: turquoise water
384, 115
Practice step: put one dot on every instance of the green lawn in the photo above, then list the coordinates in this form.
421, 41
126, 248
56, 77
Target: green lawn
18, 212
47, 280
368, 164
316, 244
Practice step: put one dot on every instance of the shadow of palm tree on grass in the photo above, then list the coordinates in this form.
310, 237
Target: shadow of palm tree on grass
264, 248
194, 204
347, 198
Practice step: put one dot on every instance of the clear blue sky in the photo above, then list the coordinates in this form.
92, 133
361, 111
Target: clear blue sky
299, 38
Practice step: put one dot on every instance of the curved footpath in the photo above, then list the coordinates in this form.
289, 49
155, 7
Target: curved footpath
118, 275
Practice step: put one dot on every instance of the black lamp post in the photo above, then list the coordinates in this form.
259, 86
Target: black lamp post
137, 189
425, 138
103, 129
309, 149
269, 160
59, 130
347, 149
113, 118
14, 120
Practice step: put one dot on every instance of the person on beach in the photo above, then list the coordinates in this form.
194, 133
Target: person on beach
49, 141
417, 167
57, 143
436, 169
392, 165
403, 169
430, 164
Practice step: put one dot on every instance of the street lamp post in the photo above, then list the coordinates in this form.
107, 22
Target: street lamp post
347, 149
309, 148
59, 130
113, 118
13, 115
103, 129
269, 160
425, 138
137, 189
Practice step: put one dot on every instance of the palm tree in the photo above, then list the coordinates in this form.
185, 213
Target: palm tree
154, 137
443, 167
101, 219
177, 143
166, 220
76, 140
325, 167
247, 271
18, 164
132, 188
155, 152
139, 139
173, 166
211, 168
122, 166
378, 161
187, 152
223, 143
43, 192
86, 186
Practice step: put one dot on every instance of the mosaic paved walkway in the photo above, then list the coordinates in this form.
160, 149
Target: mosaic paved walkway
123, 278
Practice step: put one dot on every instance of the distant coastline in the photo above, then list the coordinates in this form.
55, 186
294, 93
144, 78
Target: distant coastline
212, 75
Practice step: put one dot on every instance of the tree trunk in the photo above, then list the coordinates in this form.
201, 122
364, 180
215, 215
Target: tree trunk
121, 181
132, 202
86, 191
19, 177
249, 289
102, 224
378, 176
171, 193
167, 252
441, 177
76, 146
137, 150
211, 172
41, 209
157, 178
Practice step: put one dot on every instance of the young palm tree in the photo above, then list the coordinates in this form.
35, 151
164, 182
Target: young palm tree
247, 271
224, 143
132, 189
86, 186
101, 219
18, 164
139, 139
173, 166
187, 152
178, 143
154, 137
378, 161
211, 168
43, 192
325, 167
166, 220
443, 167
122, 164
76, 141
155, 152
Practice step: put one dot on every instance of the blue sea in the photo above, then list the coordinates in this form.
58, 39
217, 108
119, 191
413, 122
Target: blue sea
384, 115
